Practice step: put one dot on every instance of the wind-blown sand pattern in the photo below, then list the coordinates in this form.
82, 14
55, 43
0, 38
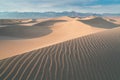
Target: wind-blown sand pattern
92, 57
40, 33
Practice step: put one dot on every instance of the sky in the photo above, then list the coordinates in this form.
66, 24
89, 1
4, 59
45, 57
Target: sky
84, 6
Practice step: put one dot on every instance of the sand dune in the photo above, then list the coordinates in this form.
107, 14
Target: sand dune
91, 57
100, 23
13, 21
41, 33
115, 20
38, 30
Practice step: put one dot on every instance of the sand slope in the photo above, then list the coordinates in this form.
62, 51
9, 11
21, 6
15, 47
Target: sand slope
115, 20
100, 23
92, 57
41, 33
14, 21
37, 30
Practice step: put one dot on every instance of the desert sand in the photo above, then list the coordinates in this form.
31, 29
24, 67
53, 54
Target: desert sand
60, 48
27, 35
90, 57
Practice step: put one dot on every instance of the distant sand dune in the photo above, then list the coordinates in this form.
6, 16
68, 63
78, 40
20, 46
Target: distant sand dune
100, 23
14, 21
115, 20
40, 33
92, 57
37, 30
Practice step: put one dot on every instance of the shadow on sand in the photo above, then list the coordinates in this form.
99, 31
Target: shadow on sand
100, 23
27, 32
16, 21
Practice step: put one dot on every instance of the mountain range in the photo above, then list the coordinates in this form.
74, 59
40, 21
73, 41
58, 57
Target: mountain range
34, 15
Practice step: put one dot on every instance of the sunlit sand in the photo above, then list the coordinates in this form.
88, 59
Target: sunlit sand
60, 48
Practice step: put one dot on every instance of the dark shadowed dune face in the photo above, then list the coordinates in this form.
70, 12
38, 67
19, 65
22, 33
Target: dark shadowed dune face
14, 21
93, 57
8, 21
112, 20
100, 23
37, 30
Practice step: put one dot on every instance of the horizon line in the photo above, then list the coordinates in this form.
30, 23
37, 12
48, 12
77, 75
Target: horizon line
55, 12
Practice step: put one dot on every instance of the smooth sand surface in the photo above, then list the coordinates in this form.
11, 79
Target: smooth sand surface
91, 57
115, 20
100, 23
24, 37
13, 21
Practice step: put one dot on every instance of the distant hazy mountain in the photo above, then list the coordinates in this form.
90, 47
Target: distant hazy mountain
20, 15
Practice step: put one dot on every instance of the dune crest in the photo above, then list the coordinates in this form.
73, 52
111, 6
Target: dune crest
100, 22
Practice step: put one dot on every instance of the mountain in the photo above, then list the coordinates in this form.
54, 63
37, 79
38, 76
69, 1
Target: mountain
34, 15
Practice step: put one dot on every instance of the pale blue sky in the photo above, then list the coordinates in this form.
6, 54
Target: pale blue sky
94, 6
